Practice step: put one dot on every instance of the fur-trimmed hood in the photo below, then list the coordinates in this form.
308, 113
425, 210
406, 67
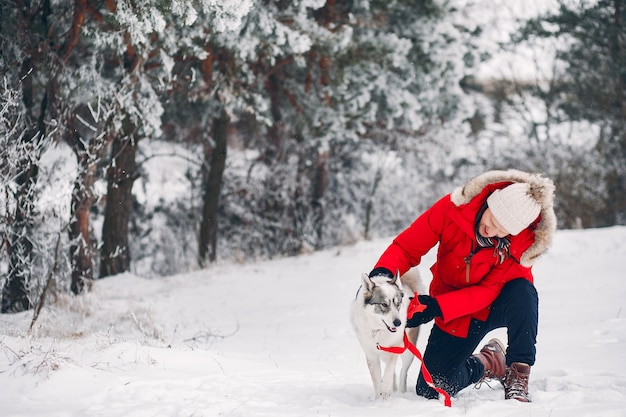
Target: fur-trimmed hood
542, 190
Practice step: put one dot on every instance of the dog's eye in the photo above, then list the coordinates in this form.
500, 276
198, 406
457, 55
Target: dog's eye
385, 305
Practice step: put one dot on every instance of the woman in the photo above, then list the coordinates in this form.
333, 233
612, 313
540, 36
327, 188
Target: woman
490, 232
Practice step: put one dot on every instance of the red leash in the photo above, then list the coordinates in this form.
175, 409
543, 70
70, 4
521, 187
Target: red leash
416, 307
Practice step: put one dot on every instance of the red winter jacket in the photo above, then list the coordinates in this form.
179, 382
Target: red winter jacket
467, 280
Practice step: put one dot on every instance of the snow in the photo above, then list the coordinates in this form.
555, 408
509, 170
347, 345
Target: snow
273, 339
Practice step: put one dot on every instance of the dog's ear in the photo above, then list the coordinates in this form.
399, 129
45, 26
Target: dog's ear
396, 278
368, 284
399, 281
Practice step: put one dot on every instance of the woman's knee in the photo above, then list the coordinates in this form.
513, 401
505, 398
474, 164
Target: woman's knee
518, 301
520, 290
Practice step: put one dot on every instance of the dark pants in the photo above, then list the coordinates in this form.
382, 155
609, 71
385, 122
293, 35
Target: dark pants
448, 358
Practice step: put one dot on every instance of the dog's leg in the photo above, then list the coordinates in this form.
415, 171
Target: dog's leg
389, 375
373, 363
407, 357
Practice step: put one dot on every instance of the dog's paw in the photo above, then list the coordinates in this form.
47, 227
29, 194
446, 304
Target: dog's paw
385, 395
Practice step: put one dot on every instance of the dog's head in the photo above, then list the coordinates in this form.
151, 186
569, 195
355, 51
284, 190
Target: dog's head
385, 302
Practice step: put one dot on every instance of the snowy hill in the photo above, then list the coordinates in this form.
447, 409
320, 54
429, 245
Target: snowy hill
274, 339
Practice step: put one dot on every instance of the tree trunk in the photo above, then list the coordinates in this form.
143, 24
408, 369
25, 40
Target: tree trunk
15, 295
82, 201
275, 132
215, 162
320, 184
115, 254
88, 144
369, 207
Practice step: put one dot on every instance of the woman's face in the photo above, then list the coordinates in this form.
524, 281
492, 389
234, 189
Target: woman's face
489, 226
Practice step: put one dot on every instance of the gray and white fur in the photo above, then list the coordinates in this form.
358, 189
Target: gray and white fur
378, 315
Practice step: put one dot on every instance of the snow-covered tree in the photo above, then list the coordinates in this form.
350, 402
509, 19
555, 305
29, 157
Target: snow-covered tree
569, 120
89, 74
145, 39
342, 80
36, 43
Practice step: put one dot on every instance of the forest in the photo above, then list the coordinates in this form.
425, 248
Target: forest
163, 136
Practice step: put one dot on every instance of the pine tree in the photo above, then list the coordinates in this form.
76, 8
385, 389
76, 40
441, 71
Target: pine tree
591, 86
39, 41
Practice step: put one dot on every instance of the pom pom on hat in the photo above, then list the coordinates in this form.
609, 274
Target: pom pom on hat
514, 207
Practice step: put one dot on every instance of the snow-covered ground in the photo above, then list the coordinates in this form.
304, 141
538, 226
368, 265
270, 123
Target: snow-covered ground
273, 339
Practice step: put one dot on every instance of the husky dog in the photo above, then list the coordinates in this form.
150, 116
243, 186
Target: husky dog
379, 314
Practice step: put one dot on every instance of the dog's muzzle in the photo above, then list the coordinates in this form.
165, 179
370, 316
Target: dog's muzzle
396, 324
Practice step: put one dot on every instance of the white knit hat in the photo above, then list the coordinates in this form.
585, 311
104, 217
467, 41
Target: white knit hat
514, 207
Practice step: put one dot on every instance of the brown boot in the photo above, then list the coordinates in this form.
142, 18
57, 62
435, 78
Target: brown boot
516, 382
493, 359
